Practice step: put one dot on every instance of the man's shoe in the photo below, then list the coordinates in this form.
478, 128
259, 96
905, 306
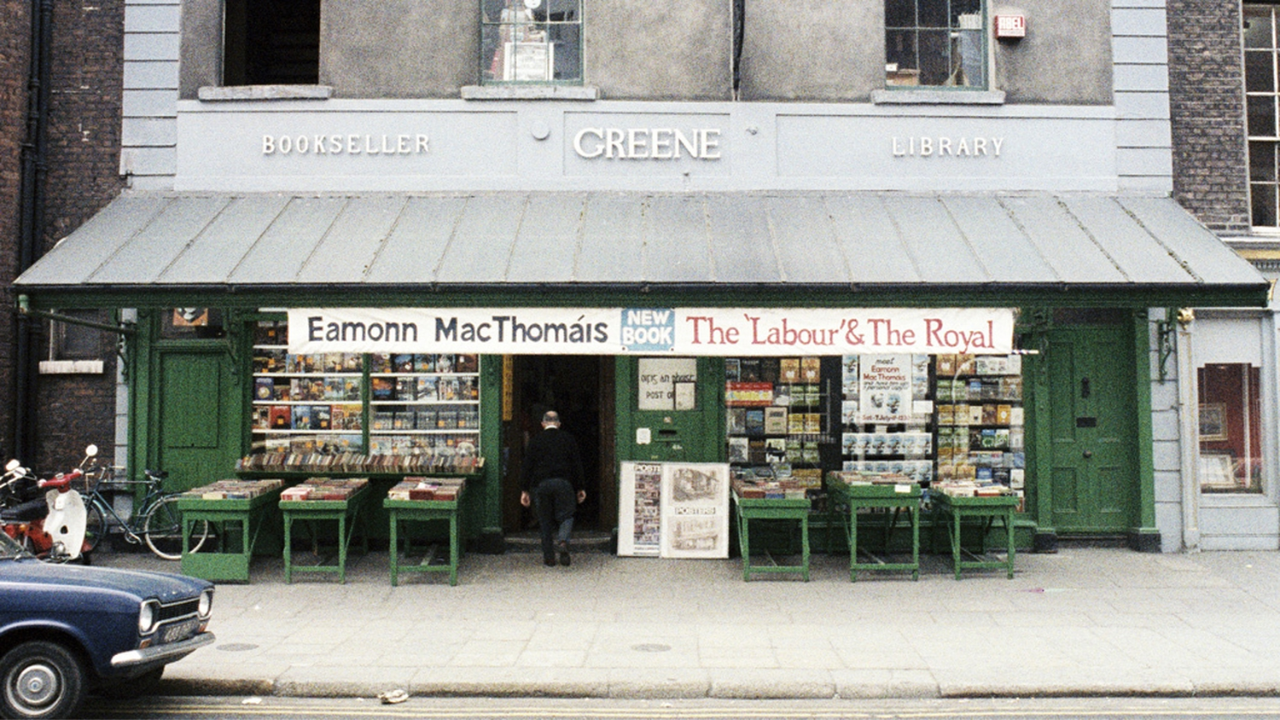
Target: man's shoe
549, 562
563, 548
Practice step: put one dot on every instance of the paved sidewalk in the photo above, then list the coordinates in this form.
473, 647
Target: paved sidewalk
1080, 622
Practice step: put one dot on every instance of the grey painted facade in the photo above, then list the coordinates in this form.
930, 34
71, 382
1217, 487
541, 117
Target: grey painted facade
1082, 105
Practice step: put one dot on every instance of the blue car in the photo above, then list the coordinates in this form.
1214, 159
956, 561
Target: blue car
66, 630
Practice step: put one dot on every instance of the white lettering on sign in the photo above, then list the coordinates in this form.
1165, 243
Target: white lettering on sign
353, 144
947, 146
647, 143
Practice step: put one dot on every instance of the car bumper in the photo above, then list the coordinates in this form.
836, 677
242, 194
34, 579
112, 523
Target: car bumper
160, 654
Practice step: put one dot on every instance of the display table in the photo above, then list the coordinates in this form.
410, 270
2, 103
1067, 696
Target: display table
986, 510
423, 511
749, 509
896, 497
345, 512
250, 514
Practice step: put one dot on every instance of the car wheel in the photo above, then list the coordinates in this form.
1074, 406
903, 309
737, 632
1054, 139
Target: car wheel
41, 680
133, 687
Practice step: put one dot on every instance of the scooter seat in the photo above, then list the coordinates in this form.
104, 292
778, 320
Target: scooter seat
25, 512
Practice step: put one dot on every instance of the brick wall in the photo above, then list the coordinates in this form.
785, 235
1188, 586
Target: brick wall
14, 38
1206, 97
82, 177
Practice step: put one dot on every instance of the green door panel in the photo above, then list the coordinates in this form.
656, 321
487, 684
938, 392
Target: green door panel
189, 415
1093, 428
693, 434
194, 409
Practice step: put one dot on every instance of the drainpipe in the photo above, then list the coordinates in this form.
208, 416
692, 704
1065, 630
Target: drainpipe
31, 224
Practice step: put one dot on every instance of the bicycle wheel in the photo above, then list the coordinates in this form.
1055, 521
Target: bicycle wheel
95, 527
162, 529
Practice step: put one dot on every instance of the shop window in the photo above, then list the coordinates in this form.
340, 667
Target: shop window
75, 348
1230, 428
1262, 95
935, 43
947, 421
191, 324
271, 42
531, 41
354, 411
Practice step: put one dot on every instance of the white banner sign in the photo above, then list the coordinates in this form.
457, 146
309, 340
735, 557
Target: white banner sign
653, 330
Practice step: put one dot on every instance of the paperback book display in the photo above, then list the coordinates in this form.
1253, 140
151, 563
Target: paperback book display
778, 414
981, 435
947, 420
354, 404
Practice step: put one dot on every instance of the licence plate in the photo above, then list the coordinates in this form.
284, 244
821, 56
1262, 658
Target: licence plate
180, 631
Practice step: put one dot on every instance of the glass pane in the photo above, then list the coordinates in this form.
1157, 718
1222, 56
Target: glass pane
901, 66
557, 11
1262, 116
967, 58
181, 323
1262, 161
935, 57
568, 50
899, 13
970, 10
1258, 71
1263, 199
1257, 28
1230, 428
933, 13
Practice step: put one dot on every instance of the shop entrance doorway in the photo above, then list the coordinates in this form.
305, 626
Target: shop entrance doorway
1094, 481
580, 388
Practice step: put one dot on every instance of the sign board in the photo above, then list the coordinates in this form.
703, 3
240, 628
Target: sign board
695, 332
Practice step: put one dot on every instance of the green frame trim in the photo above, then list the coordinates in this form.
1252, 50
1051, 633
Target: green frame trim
1146, 520
687, 295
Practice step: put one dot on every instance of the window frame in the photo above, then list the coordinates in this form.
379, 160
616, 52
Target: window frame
1252, 141
982, 32
492, 52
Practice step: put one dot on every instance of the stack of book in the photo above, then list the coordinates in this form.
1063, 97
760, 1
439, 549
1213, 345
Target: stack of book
862, 477
323, 488
234, 489
421, 488
358, 462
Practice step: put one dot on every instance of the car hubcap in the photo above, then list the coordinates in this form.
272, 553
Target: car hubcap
37, 685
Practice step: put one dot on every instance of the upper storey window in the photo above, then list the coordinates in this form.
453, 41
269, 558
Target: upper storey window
271, 42
935, 43
1261, 89
531, 41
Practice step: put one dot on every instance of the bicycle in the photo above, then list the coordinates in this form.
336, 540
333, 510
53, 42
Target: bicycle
156, 521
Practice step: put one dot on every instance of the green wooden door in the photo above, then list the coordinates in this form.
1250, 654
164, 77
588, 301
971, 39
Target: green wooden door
194, 412
1093, 429
670, 409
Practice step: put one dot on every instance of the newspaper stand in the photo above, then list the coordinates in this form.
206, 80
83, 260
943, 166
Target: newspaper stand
250, 514
345, 512
421, 511
986, 509
772, 509
896, 497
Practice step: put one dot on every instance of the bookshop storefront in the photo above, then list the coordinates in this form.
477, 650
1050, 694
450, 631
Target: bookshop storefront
987, 339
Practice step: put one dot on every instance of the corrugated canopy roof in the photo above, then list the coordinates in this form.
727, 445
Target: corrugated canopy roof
142, 243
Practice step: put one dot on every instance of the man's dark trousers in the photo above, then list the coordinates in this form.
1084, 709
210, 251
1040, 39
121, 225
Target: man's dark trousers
555, 502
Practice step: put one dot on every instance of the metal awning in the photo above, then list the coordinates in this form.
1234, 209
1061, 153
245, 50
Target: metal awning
837, 248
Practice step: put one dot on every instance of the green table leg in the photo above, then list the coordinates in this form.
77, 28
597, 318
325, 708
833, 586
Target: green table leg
395, 551
288, 549
453, 549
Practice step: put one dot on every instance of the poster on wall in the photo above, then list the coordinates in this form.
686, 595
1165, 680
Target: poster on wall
667, 383
884, 389
695, 510
639, 510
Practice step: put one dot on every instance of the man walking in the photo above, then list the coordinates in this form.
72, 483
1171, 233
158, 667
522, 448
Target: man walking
552, 481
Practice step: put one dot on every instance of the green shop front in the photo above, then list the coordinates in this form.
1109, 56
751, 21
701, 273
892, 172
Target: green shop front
1011, 339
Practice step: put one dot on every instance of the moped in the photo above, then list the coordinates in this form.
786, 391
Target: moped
52, 528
